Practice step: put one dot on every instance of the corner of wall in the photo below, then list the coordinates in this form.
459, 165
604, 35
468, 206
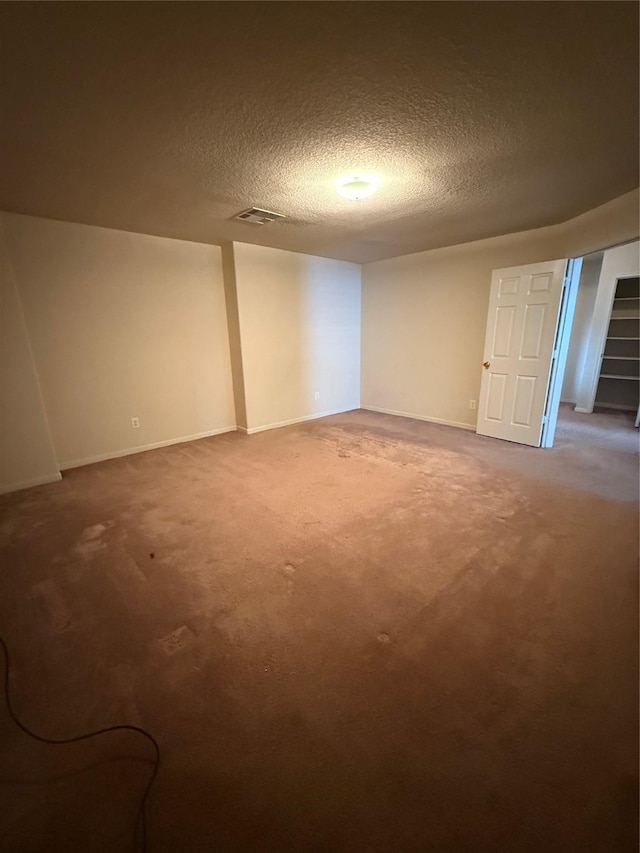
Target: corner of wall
299, 329
611, 224
27, 455
233, 325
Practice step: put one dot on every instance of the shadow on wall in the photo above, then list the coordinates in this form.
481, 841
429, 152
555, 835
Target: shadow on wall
331, 343
27, 456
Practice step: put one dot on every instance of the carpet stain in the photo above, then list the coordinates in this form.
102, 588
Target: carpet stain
53, 605
177, 640
92, 539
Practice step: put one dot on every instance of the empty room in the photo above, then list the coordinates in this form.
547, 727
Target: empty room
319, 388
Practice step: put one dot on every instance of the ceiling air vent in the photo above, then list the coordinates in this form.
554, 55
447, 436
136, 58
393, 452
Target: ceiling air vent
257, 216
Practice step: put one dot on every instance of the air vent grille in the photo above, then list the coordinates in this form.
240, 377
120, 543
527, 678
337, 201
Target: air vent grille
257, 216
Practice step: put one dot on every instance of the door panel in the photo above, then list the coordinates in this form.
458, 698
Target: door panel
523, 400
495, 396
533, 330
541, 283
521, 328
508, 286
504, 331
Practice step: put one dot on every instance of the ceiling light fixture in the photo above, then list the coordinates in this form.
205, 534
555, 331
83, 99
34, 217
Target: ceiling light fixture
357, 186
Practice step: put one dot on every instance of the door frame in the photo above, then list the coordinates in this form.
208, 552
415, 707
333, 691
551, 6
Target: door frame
560, 349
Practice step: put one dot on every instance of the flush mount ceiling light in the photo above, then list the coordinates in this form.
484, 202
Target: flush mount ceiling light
357, 185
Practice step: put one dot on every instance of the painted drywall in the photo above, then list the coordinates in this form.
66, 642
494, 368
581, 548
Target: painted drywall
479, 119
617, 263
423, 325
578, 344
299, 323
27, 456
609, 225
424, 315
122, 325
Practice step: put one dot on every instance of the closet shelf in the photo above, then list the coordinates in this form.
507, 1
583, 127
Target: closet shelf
618, 376
618, 387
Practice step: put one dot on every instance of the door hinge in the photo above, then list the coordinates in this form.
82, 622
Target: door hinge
545, 419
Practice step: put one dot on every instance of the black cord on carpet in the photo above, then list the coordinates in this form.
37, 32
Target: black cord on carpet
141, 819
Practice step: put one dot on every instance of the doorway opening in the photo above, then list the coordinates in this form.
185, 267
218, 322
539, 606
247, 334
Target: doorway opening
561, 333
600, 397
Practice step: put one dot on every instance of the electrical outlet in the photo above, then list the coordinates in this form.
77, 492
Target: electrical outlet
472, 404
316, 396
135, 423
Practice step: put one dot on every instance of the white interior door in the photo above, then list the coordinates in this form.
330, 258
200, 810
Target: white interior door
518, 350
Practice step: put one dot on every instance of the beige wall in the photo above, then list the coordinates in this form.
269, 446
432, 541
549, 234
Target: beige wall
423, 325
582, 318
27, 457
122, 325
299, 324
99, 326
424, 315
605, 226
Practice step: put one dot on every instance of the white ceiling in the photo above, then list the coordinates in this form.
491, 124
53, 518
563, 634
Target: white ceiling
170, 118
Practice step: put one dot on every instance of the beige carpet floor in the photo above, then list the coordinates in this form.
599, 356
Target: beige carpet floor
364, 634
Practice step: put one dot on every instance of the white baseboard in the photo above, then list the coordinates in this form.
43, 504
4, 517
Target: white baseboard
583, 411
457, 424
252, 430
102, 457
28, 484
615, 407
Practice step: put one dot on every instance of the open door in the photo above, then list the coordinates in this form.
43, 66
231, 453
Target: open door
524, 309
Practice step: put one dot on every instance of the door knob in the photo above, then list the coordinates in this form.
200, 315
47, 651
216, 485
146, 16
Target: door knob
487, 365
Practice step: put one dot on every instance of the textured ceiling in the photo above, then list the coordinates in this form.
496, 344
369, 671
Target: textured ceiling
170, 118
